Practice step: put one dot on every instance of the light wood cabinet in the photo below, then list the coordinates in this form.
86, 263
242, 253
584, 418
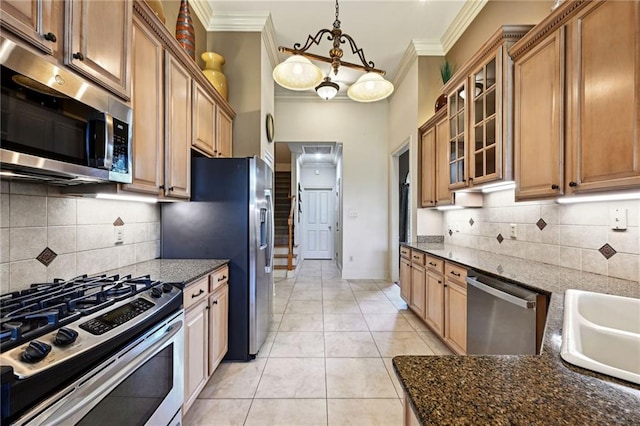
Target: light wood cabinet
434, 161
418, 289
148, 111
206, 303
569, 114
98, 40
405, 279
224, 139
409, 417
428, 168
455, 308
196, 352
435, 302
204, 121
538, 132
218, 326
603, 87
178, 129
479, 98
32, 21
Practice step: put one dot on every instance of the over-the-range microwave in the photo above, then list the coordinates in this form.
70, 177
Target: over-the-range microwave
57, 127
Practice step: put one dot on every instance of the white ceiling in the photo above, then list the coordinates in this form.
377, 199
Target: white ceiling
384, 30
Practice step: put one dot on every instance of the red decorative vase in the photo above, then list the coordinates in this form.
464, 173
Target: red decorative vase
441, 102
185, 33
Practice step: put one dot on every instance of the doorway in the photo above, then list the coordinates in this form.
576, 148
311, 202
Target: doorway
318, 223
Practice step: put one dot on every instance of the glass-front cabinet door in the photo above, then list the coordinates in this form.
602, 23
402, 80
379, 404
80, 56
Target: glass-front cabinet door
457, 148
484, 150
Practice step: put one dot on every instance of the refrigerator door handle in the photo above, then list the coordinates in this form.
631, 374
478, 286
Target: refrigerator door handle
270, 230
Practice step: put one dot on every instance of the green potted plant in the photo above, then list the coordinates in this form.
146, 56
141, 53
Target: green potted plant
446, 71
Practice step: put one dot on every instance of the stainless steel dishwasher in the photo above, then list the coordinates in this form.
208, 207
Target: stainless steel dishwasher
503, 318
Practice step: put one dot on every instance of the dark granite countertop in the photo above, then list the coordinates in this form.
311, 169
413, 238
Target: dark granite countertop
181, 271
519, 389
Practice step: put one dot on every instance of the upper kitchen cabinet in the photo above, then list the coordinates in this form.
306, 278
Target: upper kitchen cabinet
97, 42
32, 21
178, 129
204, 122
224, 136
577, 86
91, 37
479, 100
434, 161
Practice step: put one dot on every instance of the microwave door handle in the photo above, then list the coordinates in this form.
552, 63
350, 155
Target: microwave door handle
108, 141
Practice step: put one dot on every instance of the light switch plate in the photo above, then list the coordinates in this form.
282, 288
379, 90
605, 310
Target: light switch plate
618, 219
513, 231
118, 233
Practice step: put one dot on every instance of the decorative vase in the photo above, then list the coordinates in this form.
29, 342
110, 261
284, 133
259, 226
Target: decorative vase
158, 9
213, 72
185, 33
441, 102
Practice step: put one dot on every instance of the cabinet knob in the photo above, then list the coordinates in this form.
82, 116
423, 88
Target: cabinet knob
79, 56
439, 281
171, 188
215, 302
161, 187
573, 184
555, 187
50, 37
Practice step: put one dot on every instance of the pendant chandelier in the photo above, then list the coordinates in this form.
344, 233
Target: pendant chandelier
298, 73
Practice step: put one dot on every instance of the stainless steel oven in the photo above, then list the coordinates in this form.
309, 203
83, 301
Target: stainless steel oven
142, 384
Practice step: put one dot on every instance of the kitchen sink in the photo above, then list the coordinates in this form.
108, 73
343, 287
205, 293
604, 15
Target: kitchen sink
601, 332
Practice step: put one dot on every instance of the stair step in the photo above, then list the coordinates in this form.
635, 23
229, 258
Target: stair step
284, 256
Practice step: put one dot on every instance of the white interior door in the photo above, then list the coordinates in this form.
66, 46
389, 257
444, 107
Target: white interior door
318, 223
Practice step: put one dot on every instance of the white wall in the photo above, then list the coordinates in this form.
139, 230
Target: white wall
266, 102
403, 130
325, 177
364, 132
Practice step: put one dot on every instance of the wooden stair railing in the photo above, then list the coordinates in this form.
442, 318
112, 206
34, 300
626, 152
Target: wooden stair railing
290, 223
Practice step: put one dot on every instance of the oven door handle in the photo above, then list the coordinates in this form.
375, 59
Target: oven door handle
74, 402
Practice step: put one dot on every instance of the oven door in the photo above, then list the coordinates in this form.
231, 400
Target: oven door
141, 385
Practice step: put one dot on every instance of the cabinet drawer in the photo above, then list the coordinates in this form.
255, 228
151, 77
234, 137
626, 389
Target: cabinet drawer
434, 264
417, 257
218, 278
456, 273
405, 252
196, 292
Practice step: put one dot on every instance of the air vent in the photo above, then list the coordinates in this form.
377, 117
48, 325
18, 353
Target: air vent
325, 149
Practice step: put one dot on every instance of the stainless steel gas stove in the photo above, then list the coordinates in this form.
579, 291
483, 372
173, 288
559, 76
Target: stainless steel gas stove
92, 350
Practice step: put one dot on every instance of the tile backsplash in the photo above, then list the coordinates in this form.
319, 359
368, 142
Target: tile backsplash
577, 236
46, 235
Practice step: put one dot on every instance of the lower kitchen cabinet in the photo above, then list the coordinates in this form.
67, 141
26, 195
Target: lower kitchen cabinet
206, 303
435, 302
410, 418
455, 308
405, 275
219, 325
418, 286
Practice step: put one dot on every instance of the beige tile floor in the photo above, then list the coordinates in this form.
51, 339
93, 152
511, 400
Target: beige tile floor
327, 359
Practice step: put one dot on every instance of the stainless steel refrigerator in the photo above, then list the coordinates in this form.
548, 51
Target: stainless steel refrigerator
230, 216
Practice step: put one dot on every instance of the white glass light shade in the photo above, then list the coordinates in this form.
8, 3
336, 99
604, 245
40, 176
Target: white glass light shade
371, 87
297, 73
327, 89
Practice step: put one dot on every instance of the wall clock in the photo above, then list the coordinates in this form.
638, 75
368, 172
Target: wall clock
269, 126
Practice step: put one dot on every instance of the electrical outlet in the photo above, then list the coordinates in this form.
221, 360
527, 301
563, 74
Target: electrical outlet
118, 232
513, 231
618, 219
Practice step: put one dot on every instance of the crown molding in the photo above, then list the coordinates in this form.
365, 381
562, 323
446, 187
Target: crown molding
467, 14
408, 58
269, 40
203, 11
426, 47
238, 21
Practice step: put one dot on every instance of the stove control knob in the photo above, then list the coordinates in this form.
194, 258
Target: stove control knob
166, 287
35, 351
156, 292
65, 337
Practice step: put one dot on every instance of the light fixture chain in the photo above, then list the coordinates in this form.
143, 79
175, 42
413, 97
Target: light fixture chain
336, 23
